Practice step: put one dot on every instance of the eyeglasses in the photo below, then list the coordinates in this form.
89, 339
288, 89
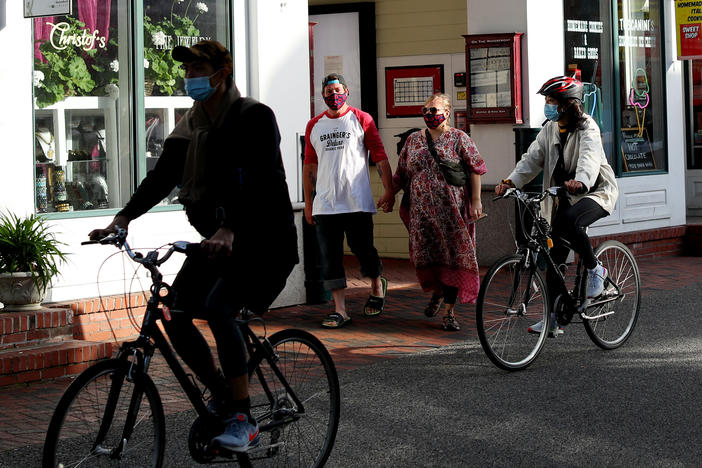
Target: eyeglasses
431, 110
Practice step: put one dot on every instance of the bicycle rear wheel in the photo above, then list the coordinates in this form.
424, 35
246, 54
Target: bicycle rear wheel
510, 300
613, 322
290, 435
89, 425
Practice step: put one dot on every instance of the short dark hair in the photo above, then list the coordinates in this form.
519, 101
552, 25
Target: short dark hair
333, 78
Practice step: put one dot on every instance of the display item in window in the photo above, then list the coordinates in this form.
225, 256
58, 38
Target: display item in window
45, 146
41, 191
60, 195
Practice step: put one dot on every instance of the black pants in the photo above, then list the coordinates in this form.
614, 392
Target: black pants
358, 228
216, 291
570, 223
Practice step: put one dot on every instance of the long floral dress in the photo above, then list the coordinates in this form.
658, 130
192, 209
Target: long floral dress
441, 234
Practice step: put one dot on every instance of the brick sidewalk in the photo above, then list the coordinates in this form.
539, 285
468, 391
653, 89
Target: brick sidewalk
401, 329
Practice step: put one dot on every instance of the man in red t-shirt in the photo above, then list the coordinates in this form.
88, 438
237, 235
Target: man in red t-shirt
338, 197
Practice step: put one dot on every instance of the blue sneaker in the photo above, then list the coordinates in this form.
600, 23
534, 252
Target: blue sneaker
240, 435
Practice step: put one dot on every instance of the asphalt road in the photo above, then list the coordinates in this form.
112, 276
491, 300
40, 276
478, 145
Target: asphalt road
575, 406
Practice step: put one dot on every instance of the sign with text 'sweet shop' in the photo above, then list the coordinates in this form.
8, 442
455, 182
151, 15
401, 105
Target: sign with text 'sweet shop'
688, 22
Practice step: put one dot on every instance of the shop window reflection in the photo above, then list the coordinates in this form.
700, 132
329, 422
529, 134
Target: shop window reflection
696, 124
76, 93
167, 25
642, 88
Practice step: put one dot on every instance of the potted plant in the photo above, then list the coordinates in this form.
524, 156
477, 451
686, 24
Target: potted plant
29, 259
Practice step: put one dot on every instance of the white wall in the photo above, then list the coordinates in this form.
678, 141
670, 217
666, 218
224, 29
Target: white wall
279, 73
16, 130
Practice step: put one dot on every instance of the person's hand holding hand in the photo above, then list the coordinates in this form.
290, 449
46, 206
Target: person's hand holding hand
575, 186
220, 244
118, 221
308, 214
476, 209
386, 202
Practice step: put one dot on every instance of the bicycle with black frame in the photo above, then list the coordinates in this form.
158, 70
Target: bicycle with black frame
513, 294
112, 413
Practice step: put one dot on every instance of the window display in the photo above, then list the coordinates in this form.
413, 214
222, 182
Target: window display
695, 156
83, 119
635, 143
76, 89
588, 54
642, 91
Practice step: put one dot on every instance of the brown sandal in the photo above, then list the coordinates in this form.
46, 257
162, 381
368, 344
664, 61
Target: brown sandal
434, 305
450, 323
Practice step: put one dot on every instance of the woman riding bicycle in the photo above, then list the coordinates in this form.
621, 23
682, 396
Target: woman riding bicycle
569, 151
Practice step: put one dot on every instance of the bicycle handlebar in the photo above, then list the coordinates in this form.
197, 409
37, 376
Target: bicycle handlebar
119, 239
530, 197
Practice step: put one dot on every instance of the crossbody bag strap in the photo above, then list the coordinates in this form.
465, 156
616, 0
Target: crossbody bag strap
430, 145
435, 155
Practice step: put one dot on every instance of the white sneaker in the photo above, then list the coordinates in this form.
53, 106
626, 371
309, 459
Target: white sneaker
240, 435
595, 280
553, 332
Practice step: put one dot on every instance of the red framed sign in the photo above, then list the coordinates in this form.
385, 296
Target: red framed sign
408, 88
493, 78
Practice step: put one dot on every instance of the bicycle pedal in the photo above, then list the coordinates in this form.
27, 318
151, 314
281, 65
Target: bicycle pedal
263, 448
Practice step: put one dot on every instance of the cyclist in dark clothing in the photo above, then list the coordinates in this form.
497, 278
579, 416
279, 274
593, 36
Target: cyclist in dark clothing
224, 155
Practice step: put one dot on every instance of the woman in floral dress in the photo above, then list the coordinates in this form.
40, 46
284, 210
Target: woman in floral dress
440, 217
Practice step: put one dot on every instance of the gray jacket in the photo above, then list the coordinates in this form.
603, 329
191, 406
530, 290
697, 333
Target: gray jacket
583, 155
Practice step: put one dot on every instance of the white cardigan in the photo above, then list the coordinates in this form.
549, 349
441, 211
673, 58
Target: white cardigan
583, 154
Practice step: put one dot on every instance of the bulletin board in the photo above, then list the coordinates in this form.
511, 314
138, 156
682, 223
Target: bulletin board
408, 88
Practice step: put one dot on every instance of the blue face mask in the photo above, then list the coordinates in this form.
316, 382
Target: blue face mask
551, 112
199, 88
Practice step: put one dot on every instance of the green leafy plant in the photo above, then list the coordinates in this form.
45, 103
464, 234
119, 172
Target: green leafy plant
27, 245
65, 71
73, 71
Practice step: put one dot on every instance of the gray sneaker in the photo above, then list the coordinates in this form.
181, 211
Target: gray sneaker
553, 331
595, 280
240, 434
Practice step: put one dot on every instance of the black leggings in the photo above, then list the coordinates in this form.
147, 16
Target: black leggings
223, 290
570, 222
450, 294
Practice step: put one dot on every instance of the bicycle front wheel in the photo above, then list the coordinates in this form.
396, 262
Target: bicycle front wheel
511, 300
292, 435
613, 322
105, 420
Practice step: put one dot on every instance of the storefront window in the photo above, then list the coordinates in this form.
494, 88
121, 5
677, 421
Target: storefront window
77, 83
167, 25
588, 53
642, 89
83, 118
695, 161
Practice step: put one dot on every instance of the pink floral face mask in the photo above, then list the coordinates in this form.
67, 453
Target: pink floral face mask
335, 101
434, 120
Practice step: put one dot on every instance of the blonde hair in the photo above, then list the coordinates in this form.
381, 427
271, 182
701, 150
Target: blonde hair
445, 100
